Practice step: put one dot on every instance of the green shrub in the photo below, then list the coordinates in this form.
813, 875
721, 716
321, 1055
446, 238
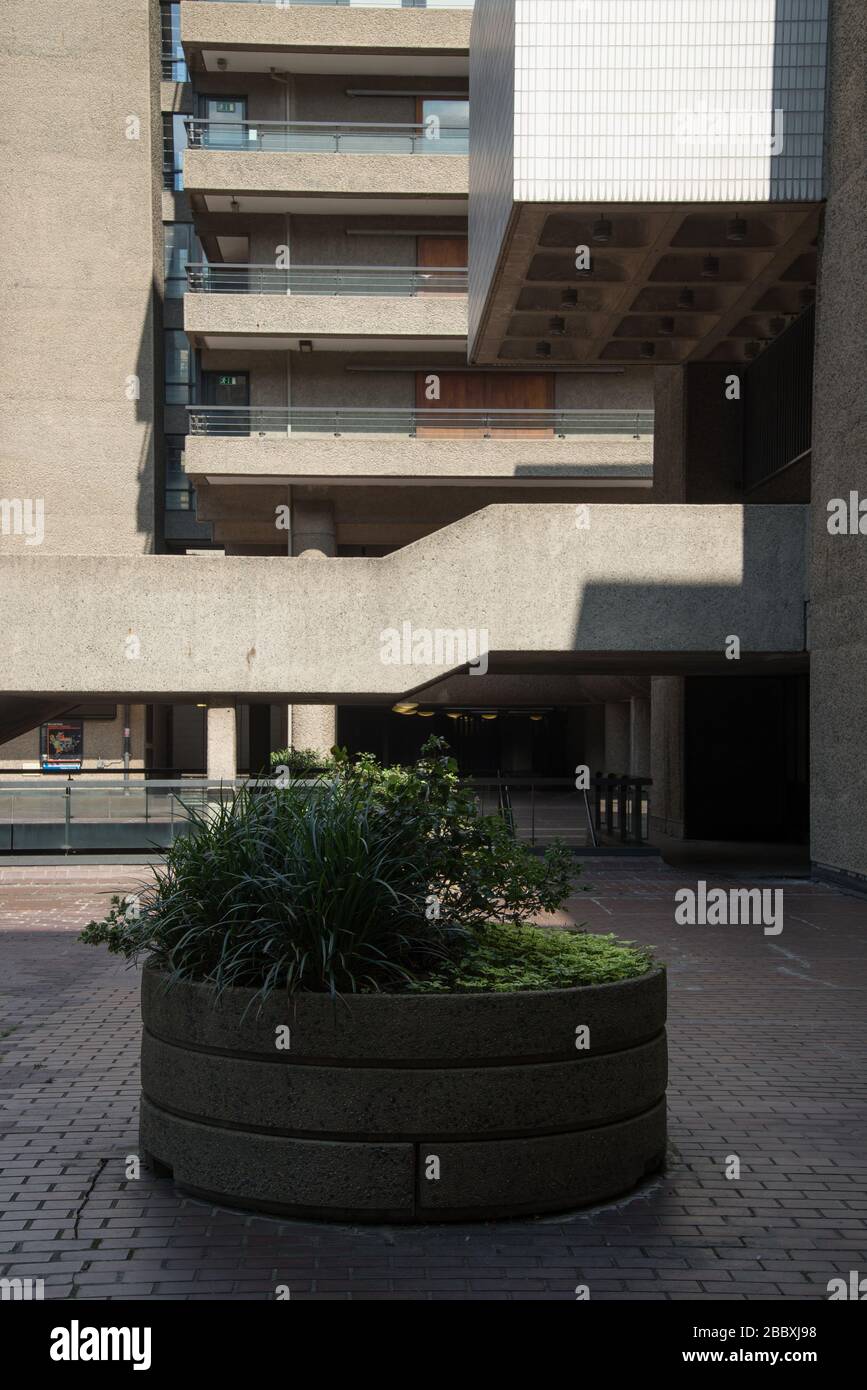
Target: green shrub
301, 762
502, 958
369, 878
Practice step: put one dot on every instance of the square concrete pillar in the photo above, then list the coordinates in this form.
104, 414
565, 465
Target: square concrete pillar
222, 743
313, 726
639, 736
667, 756
617, 736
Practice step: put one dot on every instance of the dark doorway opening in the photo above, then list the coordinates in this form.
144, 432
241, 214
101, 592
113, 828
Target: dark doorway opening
747, 758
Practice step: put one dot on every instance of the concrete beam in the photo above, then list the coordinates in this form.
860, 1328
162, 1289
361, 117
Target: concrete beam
643, 583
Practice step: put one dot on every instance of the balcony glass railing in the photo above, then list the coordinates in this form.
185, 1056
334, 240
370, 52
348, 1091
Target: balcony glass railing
325, 279
429, 423
328, 137
369, 4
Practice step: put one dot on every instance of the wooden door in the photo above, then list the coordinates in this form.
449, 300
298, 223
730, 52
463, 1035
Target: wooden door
520, 391
458, 391
487, 391
443, 250
450, 252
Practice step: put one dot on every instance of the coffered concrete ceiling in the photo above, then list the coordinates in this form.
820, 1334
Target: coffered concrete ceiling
667, 283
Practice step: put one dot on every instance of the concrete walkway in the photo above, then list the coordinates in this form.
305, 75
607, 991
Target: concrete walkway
767, 1064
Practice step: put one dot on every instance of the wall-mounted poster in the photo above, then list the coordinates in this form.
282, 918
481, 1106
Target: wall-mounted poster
62, 744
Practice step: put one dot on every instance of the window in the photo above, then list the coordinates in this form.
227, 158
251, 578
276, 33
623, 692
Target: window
174, 144
181, 245
179, 368
174, 66
179, 494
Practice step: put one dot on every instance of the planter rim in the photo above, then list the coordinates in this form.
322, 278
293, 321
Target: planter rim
417, 996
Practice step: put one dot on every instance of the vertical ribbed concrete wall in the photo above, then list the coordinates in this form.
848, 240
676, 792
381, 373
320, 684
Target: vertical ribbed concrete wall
616, 100
492, 102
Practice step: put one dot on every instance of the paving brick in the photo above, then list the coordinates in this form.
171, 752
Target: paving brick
763, 1065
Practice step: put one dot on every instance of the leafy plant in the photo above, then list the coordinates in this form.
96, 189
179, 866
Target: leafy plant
302, 761
504, 958
369, 878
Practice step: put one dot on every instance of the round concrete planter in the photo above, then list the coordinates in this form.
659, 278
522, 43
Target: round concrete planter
405, 1107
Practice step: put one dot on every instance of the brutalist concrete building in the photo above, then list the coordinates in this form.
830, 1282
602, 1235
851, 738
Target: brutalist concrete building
374, 370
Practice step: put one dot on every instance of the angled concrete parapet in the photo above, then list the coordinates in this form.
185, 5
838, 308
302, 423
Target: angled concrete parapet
548, 581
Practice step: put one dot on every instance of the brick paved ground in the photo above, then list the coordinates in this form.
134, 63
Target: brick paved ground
767, 1062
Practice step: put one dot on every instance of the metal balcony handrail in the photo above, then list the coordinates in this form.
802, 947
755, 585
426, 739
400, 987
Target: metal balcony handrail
369, 4
325, 136
243, 277
229, 420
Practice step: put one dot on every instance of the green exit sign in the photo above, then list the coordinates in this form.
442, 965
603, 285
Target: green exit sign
228, 381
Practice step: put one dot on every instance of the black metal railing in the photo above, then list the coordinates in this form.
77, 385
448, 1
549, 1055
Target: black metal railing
324, 279
539, 810
370, 4
327, 137
778, 402
337, 420
621, 807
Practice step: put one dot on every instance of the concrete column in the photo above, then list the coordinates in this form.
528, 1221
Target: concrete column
666, 756
259, 718
616, 736
669, 435
222, 743
313, 726
639, 736
313, 529
313, 537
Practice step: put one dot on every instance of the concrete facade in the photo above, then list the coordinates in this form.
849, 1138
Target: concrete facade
142, 557
838, 627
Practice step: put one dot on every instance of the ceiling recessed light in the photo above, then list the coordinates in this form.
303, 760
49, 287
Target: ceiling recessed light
305, 345
489, 716
603, 230
557, 327
736, 230
425, 713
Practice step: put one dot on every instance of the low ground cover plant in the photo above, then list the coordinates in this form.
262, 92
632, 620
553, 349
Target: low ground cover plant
364, 878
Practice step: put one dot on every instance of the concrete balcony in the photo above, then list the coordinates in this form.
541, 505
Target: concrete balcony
504, 447
388, 37
326, 167
652, 588
253, 306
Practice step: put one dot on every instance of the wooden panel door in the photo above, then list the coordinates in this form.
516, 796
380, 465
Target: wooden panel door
450, 252
520, 391
487, 391
458, 391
